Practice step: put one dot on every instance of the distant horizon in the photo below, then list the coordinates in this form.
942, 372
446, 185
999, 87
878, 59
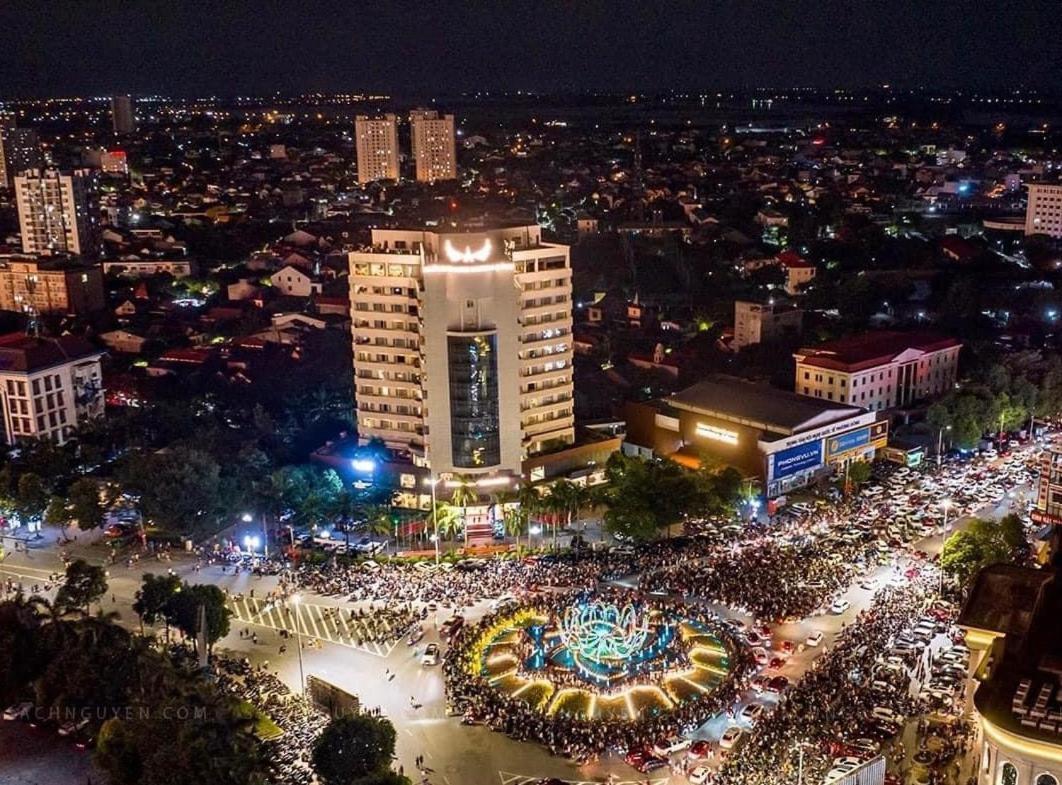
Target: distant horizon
187, 49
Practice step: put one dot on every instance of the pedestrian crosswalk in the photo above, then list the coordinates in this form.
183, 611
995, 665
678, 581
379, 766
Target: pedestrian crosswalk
321, 622
508, 778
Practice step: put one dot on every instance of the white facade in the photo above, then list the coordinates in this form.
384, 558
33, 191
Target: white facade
1010, 759
50, 402
462, 346
57, 213
293, 281
1043, 212
908, 376
433, 145
376, 139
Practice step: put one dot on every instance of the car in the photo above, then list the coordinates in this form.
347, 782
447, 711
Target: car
503, 601
776, 663
759, 655
870, 584
451, 626
751, 713
71, 727
699, 749
371, 547
415, 636
18, 711
839, 772
885, 714
786, 647
777, 685
699, 775
644, 762
814, 639
754, 638
671, 745
759, 683
730, 737
839, 606
430, 655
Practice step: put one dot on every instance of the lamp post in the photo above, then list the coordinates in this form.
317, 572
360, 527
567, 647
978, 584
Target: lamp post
800, 761
945, 505
435, 514
296, 600
940, 443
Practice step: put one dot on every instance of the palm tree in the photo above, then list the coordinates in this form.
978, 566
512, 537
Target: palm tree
562, 500
346, 507
515, 520
444, 520
530, 504
464, 494
378, 521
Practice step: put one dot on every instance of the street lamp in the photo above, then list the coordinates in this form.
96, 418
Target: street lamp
946, 506
247, 518
800, 760
434, 481
296, 599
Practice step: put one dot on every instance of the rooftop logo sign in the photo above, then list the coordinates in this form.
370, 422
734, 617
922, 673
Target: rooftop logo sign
481, 254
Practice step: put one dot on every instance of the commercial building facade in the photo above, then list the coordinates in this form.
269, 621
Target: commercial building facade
50, 286
1043, 210
58, 213
783, 440
434, 148
376, 141
48, 386
462, 346
878, 370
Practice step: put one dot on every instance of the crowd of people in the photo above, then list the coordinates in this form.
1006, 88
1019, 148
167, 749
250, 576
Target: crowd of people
828, 703
471, 692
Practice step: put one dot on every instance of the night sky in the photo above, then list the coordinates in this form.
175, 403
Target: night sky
66, 47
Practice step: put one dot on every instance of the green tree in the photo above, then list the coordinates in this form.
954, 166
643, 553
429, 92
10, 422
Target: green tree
178, 487
353, 747
464, 494
83, 585
981, 544
154, 599
183, 612
85, 505
858, 473
31, 498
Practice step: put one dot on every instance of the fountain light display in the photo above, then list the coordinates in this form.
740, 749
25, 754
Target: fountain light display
593, 659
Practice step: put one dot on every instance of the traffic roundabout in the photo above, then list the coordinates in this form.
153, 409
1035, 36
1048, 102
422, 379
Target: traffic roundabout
593, 670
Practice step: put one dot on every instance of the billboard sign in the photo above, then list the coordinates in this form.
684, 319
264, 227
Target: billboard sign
794, 460
852, 440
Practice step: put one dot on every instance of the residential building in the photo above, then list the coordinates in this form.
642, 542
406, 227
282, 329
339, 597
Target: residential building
798, 271
20, 149
764, 322
292, 281
878, 370
48, 386
462, 346
123, 118
107, 161
433, 145
1048, 507
781, 440
57, 212
376, 139
1010, 620
37, 286
1043, 210
135, 267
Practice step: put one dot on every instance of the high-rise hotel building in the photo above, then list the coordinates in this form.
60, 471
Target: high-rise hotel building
376, 141
434, 150
463, 346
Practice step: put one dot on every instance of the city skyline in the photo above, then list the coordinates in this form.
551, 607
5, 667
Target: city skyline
112, 47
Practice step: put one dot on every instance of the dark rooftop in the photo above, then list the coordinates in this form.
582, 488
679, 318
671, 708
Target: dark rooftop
25, 353
871, 349
760, 406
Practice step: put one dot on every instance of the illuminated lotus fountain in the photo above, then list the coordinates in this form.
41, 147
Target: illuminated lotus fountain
603, 632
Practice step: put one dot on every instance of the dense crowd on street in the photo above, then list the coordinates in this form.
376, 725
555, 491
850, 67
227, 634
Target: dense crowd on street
828, 703
472, 694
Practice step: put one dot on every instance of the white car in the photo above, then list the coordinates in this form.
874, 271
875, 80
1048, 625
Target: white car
430, 655
503, 601
18, 711
759, 654
839, 772
752, 713
887, 715
814, 639
699, 775
730, 737
840, 605
671, 745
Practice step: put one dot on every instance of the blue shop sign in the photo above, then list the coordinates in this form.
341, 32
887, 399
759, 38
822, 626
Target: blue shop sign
793, 460
851, 440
